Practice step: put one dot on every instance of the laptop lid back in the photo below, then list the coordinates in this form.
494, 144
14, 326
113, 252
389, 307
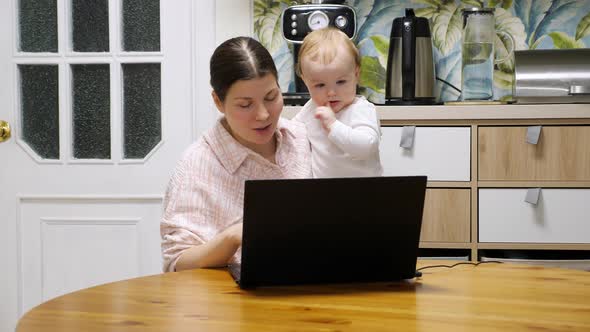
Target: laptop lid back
331, 230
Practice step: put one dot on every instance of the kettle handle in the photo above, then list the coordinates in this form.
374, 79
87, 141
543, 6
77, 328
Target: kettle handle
408, 57
510, 49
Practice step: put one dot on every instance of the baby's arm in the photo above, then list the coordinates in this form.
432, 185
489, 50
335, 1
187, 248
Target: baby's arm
361, 138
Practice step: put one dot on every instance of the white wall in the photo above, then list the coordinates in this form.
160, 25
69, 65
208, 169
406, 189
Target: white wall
233, 18
214, 22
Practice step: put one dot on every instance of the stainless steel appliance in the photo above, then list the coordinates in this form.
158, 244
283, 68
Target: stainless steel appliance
552, 76
300, 20
410, 64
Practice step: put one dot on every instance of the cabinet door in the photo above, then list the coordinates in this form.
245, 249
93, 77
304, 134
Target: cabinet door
562, 154
446, 216
577, 264
560, 216
441, 153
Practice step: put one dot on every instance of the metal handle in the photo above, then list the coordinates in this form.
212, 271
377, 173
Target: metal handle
4, 131
510, 50
579, 90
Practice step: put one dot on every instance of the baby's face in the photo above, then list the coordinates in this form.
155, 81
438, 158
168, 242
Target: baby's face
332, 84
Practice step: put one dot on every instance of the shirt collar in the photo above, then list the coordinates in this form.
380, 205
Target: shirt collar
231, 153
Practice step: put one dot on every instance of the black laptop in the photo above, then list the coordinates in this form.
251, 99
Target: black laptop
334, 230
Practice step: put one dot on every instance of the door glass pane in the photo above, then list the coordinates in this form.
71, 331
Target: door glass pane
141, 25
40, 109
90, 30
91, 111
142, 109
38, 25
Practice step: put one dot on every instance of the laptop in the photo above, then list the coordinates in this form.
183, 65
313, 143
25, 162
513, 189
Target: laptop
335, 230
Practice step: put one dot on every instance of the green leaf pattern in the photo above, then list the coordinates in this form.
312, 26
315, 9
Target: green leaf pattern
562, 40
372, 74
583, 28
363, 9
503, 3
472, 3
267, 23
446, 27
381, 44
532, 23
507, 23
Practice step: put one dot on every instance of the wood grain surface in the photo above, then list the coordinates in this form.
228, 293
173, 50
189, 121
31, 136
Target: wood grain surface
489, 297
562, 154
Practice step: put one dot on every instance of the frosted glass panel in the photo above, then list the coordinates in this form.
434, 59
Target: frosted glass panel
40, 109
91, 112
142, 109
38, 25
141, 25
90, 30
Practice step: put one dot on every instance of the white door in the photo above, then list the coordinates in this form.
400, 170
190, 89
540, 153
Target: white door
99, 95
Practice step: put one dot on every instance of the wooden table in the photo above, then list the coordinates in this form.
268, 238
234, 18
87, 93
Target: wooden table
489, 297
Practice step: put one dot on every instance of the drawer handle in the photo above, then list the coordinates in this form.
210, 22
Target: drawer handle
579, 90
532, 134
532, 195
407, 139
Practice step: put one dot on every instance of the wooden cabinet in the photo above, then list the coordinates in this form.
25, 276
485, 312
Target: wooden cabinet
441, 153
562, 154
486, 210
560, 216
447, 216
479, 167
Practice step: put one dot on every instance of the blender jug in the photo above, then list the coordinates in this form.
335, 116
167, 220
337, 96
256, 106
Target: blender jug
477, 62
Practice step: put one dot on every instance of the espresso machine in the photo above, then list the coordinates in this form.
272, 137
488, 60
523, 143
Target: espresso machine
300, 20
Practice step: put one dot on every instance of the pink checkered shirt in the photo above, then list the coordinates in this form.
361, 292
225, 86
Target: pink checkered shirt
206, 192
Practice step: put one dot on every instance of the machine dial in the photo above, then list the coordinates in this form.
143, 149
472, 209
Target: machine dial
341, 21
318, 20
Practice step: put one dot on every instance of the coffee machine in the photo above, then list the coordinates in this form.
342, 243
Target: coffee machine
410, 64
299, 20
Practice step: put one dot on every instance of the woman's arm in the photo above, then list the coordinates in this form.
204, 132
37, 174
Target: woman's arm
194, 228
214, 253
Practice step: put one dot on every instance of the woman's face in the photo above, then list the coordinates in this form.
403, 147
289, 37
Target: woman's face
252, 109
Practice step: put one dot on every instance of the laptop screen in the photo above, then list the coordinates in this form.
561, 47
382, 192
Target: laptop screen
331, 230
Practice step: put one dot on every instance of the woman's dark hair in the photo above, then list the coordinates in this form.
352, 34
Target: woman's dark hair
240, 58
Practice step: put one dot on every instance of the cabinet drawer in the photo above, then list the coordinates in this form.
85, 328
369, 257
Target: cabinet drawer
562, 154
441, 153
576, 264
446, 216
560, 216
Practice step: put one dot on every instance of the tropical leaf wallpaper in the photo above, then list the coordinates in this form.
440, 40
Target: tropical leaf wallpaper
534, 24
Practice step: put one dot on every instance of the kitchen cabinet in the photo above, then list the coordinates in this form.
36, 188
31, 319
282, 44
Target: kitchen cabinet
447, 215
560, 216
561, 154
441, 153
502, 167
479, 168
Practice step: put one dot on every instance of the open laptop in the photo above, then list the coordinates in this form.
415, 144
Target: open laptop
302, 231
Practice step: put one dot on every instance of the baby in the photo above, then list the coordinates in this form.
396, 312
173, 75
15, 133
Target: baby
343, 129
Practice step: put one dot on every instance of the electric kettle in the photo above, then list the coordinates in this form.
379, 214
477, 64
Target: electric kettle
410, 65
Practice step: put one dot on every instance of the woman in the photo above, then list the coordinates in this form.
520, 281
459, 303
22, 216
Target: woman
203, 206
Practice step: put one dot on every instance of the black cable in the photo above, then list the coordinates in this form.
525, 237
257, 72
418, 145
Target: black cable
449, 84
460, 263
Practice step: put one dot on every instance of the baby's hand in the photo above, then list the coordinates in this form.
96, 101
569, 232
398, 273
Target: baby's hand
326, 116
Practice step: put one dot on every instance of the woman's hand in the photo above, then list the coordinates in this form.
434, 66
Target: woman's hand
215, 253
234, 233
